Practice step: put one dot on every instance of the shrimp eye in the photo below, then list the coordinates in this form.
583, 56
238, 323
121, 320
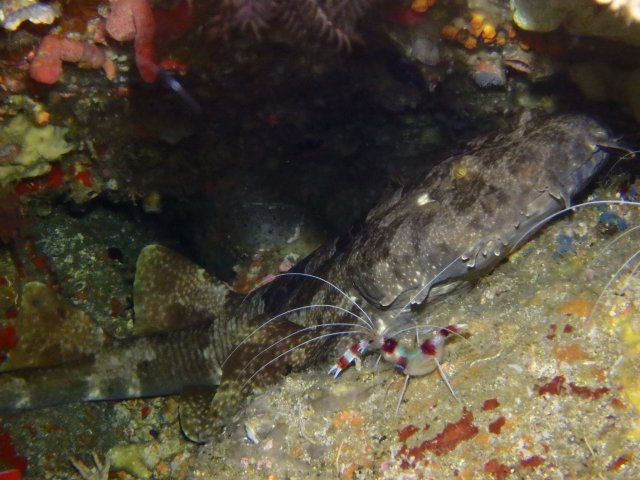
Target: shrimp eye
389, 345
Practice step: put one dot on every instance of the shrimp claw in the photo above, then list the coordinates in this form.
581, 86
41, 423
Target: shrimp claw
350, 356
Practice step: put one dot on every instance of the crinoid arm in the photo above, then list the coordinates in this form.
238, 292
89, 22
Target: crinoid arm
100, 471
195, 411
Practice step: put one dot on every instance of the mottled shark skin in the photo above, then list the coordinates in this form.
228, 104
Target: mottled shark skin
455, 223
472, 209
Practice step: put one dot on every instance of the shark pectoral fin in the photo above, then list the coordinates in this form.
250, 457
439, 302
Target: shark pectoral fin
196, 414
269, 351
547, 198
170, 292
203, 419
50, 331
388, 299
556, 189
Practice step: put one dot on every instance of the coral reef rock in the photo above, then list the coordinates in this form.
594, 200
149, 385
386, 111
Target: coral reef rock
29, 149
579, 17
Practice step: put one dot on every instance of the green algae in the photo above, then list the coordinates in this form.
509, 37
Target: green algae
38, 146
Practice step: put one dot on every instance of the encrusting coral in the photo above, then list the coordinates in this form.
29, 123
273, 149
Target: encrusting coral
14, 13
46, 67
35, 147
579, 17
134, 20
330, 22
128, 20
629, 8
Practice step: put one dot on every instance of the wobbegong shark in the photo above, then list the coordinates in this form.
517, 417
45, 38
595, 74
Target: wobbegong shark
197, 338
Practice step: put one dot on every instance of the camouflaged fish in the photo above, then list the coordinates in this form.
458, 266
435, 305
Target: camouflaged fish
455, 223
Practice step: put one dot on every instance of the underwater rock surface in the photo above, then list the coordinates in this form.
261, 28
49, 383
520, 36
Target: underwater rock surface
545, 197
28, 150
328, 117
541, 389
580, 17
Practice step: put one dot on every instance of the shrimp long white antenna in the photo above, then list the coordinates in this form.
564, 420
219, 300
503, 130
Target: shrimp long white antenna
526, 234
572, 208
615, 277
428, 285
634, 270
443, 375
624, 234
298, 332
627, 156
293, 310
429, 327
335, 287
315, 339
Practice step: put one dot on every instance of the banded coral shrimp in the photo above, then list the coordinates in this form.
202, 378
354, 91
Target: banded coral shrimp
420, 359
542, 388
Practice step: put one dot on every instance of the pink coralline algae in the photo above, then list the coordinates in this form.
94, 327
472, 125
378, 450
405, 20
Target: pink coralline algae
129, 20
134, 20
46, 67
